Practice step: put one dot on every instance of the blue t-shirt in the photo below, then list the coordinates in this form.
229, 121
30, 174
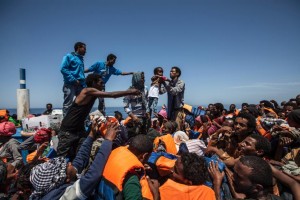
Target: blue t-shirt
104, 71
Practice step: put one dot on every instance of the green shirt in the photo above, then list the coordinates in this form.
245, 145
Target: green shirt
132, 189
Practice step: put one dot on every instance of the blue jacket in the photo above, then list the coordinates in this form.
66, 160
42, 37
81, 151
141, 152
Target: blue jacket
104, 71
72, 69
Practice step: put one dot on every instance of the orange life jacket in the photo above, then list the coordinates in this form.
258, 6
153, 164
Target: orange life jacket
103, 126
272, 111
261, 130
168, 141
4, 115
173, 190
199, 130
121, 162
164, 162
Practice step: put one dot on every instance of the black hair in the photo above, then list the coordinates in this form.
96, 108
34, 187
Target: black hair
15, 116
251, 120
298, 99
171, 125
177, 70
140, 144
232, 105
219, 106
295, 116
253, 110
261, 172
245, 104
262, 143
49, 104
117, 113
194, 168
290, 104
78, 45
111, 56
156, 69
267, 104
92, 78
204, 118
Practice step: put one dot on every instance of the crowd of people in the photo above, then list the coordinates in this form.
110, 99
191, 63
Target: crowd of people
179, 152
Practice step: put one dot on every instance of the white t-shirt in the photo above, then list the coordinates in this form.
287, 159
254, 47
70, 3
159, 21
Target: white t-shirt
153, 91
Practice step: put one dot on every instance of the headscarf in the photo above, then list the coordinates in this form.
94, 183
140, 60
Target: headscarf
47, 176
42, 135
7, 129
163, 113
136, 81
180, 137
138, 84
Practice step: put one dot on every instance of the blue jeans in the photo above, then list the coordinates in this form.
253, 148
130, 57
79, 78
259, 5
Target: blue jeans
70, 92
152, 104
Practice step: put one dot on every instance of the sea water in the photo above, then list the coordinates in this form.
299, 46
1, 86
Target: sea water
110, 111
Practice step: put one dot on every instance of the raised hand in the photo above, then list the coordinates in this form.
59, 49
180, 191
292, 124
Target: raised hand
112, 130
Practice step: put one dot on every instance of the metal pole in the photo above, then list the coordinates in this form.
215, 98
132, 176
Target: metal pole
22, 79
22, 97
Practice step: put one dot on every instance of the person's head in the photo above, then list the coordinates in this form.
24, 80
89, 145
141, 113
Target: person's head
190, 169
266, 103
49, 106
252, 110
42, 135
293, 101
141, 146
287, 108
51, 174
298, 100
217, 109
158, 71
200, 120
210, 106
244, 106
95, 81
283, 103
118, 116
175, 72
111, 59
244, 124
228, 122
232, 107
293, 118
80, 48
252, 177
14, 116
138, 80
255, 145
169, 127
179, 137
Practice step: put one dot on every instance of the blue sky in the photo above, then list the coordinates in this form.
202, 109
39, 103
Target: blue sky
229, 51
